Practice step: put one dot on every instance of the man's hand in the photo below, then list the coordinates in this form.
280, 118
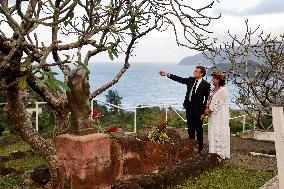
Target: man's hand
162, 73
202, 117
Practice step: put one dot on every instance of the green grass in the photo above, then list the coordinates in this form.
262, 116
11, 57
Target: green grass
18, 147
26, 163
10, 181
10, 136
227, 177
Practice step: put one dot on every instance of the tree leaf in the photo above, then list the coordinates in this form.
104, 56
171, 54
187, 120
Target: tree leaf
132, 27
82, 65
22, 83
71, 15
114, 52
58, 84
38, 80
27, 62
110, 54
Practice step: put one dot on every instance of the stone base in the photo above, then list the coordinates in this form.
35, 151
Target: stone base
84, 161
95, 161
88, 131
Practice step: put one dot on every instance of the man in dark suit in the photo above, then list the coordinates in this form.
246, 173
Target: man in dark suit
195, 101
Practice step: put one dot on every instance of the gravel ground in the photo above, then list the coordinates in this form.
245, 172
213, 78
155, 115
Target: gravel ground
240, 152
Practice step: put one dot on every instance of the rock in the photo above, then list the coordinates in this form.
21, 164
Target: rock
41, 174
28, 182
27, 175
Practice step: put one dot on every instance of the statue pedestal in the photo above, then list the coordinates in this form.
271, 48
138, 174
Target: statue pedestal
84, 161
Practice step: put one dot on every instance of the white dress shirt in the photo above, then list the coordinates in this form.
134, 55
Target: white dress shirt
197, 85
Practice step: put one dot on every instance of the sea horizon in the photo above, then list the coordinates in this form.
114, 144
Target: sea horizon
142, 85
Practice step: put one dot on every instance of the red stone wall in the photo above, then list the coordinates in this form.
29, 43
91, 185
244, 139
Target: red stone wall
95, 161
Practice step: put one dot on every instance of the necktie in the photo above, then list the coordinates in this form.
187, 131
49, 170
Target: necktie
194, 87
193, 90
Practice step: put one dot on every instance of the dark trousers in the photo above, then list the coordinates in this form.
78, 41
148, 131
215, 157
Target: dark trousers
195, 128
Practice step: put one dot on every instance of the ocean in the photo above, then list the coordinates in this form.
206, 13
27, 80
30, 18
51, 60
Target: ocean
142, 85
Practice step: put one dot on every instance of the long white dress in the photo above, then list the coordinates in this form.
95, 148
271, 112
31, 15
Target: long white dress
218, 124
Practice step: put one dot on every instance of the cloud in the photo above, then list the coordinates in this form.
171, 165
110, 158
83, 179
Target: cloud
262, 8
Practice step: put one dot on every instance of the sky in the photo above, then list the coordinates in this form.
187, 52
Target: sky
266, 13
159, 47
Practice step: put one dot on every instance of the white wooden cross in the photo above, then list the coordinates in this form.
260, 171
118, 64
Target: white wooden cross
278, 126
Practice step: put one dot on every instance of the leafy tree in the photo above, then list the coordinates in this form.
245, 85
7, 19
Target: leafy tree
113, 97
256, 68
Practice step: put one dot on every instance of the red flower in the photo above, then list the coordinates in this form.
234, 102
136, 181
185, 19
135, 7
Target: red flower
95, 114
113, 129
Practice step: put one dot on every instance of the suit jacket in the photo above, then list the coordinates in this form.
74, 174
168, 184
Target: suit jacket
198, 102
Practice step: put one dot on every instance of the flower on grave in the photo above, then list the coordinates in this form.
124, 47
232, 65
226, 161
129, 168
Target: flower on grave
113, 129
158, 135
96, 114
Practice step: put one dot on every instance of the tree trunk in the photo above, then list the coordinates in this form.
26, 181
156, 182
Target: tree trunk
21, 122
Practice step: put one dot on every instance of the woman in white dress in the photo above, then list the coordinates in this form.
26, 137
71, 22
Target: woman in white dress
218, 117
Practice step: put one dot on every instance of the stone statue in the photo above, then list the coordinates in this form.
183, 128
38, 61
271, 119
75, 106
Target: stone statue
79, 104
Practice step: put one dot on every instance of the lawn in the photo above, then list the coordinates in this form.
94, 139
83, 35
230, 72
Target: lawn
16, 157
227, 177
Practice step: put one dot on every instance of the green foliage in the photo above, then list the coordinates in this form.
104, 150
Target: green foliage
18, 147
112, 50
113, 97
158, 136
80, 64
3, 97
46, 78
26, 163
112, 135
10, 137
235, 113
236, 125
46, 122
112, 117
148, 117
4, 122
136, 19
175, 121
227, 177
22, 84
266, 121
10, 181
69, 18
